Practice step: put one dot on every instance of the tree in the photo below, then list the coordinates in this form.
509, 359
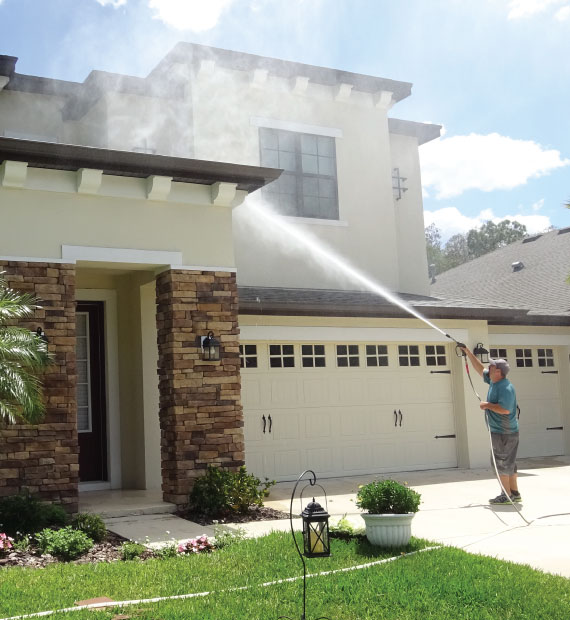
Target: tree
490, 237
23, 354
478, 241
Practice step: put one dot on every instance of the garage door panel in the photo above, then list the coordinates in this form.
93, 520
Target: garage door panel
381, 390
320, 459
383, 420
316, 391
318, 425
284, 391
352, 391
355, 458
384, 454
250, 392
288, 463
284, 425
354, 422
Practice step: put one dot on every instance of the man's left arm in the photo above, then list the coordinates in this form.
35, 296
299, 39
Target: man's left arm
504, 404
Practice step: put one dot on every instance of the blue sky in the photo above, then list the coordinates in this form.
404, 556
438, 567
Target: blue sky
494, 73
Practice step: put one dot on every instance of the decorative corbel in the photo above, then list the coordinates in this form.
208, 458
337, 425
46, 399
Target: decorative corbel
88, 180
299, 84
258, 77
13, 173
158, 187
4, 79
223, 193
383, 99
206, 67
342, 92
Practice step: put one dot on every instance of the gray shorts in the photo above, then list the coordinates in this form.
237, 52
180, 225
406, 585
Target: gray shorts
505, 450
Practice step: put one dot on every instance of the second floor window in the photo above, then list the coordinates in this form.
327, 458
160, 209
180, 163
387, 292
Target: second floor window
308, 185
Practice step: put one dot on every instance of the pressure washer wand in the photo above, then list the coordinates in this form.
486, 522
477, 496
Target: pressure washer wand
458, 347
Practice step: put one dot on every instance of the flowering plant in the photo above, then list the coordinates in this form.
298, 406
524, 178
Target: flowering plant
387, 497
5, 542
196, 545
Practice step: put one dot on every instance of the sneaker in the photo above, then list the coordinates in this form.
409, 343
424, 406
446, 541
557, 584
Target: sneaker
516, 497
500, 499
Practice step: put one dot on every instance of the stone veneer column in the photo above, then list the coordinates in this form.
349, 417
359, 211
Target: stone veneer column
201, 417
44, 458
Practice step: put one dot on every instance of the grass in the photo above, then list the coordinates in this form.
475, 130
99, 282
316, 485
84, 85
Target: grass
441, 584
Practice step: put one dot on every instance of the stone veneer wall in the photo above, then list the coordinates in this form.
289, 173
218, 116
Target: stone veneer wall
201, 416
44, 458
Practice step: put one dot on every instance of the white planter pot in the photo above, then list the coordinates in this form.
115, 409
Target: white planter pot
388, 530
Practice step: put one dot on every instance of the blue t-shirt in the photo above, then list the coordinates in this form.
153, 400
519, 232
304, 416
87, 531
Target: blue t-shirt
502, 393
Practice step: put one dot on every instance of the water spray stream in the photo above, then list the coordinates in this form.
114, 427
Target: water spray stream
331, 258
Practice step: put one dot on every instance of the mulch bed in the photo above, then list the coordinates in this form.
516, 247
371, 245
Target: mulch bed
109, 549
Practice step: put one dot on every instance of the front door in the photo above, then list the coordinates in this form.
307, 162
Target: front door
91, 410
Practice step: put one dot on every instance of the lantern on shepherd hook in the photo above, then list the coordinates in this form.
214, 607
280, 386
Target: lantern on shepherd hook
210, 348
316, 541
481, 352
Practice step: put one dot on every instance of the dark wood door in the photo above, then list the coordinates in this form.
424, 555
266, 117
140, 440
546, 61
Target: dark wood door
91, 400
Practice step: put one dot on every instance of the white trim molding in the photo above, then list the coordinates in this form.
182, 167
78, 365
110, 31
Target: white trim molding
317, 130
120, 255
343, 334
529, 339
36, 259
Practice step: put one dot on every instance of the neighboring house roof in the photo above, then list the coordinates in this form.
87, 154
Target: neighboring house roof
424, 132
530, 274
130, 164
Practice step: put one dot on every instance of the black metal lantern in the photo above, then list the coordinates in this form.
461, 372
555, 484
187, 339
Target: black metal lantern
481, 353
210, 348
41, 334
315, 534
315, 531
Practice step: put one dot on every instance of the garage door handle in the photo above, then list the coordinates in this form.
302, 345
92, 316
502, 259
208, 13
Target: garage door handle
270, 422
264, 422
549, 372
554, 428
400, 417
440, 372
444, 437
395, 418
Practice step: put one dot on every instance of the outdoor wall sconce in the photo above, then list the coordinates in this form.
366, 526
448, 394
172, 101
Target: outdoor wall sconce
481, 353
210, 348
41, 334
316, 542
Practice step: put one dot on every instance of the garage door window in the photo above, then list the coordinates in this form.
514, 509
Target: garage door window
248, 356
409, 355
347, 355
313, 355
376, 355
281, 356
546, 358
523, 358
498, 353
435, 355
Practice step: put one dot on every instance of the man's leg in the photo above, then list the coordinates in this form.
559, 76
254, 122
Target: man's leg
506, 482
513, 484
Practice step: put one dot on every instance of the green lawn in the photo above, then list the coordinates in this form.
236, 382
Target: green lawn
446, 584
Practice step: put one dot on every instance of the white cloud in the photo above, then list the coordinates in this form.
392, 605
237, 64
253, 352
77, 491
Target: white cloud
519, 9
454, 165
562, 14
537, 206
195, 15
114, 3
451, 221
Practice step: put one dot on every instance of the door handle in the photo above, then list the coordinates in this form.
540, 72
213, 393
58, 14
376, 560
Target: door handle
264, 422
444, 437
549, 372
270, 422
554, 428
401, 416
395, 418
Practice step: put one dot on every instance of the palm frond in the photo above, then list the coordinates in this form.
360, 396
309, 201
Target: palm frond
25, 347
21, 393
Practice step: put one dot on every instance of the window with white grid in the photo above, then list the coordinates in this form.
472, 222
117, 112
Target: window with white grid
409, 355
498, 353
376, 355
281, 356
347, 355
523, 358
248, 355
545, 358
435, 355
83, 385
313, 355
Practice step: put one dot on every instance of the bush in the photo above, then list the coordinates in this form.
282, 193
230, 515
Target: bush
90, 524
131, 550
25, 514
387, 497
226, 538
5, 543
169, 550
66, 543
221, 492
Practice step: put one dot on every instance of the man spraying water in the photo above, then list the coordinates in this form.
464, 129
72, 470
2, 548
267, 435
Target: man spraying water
501, 412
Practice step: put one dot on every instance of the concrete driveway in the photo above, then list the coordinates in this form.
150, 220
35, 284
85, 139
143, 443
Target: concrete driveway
455, 510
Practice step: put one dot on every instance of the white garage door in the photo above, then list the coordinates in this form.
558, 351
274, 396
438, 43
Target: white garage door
534, 373
346, 408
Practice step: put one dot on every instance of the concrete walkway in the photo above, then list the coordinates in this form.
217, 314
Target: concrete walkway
454, 511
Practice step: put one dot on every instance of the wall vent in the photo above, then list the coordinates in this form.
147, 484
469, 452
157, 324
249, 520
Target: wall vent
529, 239
517, 266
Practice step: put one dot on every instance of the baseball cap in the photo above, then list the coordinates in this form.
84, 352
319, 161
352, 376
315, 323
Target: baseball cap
501, 364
